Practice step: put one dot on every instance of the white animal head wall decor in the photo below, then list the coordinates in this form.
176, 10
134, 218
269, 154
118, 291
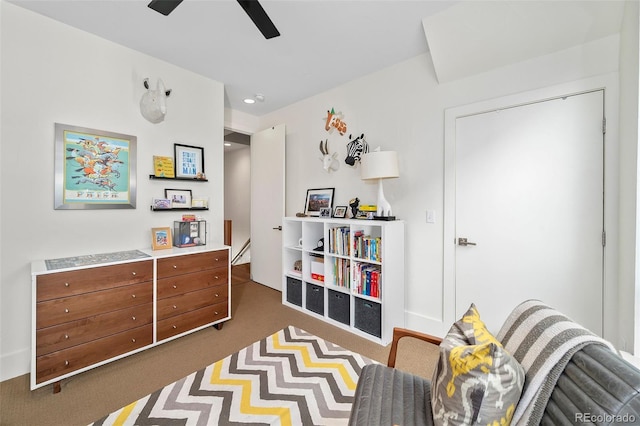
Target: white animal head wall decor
153, 104
329, 162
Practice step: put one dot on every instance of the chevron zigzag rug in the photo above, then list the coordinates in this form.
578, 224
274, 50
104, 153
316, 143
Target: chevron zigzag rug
289, 378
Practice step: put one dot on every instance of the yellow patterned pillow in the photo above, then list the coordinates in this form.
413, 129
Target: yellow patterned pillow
476, 380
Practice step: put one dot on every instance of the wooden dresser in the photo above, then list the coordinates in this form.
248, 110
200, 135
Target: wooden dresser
86, 316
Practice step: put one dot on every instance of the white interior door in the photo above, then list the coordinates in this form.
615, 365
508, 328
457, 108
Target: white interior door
529, 195
267, 205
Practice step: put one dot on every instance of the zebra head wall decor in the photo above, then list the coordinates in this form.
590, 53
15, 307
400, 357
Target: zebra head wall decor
355, 149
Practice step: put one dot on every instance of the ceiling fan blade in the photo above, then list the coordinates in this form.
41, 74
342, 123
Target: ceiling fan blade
164, 6
260, 18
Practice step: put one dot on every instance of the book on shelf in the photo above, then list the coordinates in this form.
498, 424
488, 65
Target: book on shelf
367, 279
339, 240
341, 273
367, 247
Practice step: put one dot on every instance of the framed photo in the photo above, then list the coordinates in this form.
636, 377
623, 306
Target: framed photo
325, 211
180, 198
161, 204
94, 169
189, 161
161, 238
340, 211
317, 199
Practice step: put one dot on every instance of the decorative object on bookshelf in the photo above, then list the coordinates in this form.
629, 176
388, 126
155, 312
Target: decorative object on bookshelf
163, 167
340, 211
353, 203
297, 265
189, 161
180, 198
161, 238
325, 212
317, 199
380, 165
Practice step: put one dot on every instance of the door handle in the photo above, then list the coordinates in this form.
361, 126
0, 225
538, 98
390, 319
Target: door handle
279, 228
464, 242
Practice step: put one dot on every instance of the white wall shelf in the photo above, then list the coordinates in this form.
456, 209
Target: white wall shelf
332, 284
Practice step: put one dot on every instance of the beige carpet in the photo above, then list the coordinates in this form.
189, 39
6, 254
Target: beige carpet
257, 311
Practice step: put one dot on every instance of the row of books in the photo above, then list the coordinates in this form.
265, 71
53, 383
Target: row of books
367, 279
367, 247
339, 240
341, 272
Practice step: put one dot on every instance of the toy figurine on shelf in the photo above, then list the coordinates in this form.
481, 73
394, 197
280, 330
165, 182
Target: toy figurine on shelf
354, 203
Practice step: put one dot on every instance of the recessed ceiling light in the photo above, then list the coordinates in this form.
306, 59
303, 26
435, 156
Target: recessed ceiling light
249, 101
259, 97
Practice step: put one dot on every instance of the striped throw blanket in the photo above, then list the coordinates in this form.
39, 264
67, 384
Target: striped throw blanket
543, 341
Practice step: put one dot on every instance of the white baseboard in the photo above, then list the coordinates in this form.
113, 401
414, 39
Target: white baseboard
14, 364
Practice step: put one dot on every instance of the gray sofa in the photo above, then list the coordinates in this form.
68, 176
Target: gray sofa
596, 387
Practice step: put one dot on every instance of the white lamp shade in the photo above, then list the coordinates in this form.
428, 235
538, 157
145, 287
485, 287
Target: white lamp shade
379, 165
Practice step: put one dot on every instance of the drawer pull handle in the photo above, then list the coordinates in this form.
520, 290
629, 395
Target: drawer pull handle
66, 284
216, 277
66, 311
133, 340
175, 307
175, 286
66, 336
133, 318
175, 266
133, 273
66, 363
175, 326
216, 312
217, 260
217, 295
133, 295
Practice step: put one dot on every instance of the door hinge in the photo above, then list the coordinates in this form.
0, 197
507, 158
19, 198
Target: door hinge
604, 239
604, 125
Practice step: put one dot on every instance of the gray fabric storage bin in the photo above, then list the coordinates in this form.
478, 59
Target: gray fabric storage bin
315, 298
368, 316
294, 291
339, 307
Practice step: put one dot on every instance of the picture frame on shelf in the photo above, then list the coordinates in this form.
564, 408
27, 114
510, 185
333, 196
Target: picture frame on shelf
317, 199
325, 211
161, 238
78, 185
189, 161
180, 198
163, 167
161, 204
340, 212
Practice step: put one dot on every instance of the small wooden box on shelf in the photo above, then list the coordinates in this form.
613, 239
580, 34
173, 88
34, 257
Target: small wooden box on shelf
359, 283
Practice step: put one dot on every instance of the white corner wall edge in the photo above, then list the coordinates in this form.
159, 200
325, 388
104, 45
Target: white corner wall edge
14, 364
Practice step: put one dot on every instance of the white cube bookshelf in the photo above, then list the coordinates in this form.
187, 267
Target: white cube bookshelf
362, 289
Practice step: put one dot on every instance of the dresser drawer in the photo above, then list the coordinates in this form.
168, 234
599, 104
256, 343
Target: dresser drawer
185, 322
84, 330
169, 287
65, 361
190, 301
177, 265
65, 284
59, 311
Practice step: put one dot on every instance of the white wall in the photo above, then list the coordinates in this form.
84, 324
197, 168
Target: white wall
54, 73
402, 108
237, 199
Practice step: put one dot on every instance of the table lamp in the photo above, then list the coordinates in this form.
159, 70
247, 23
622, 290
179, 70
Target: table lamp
380, 165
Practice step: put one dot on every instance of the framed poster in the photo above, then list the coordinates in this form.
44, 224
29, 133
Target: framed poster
180, 198
94, 169
189, 161
318, 199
